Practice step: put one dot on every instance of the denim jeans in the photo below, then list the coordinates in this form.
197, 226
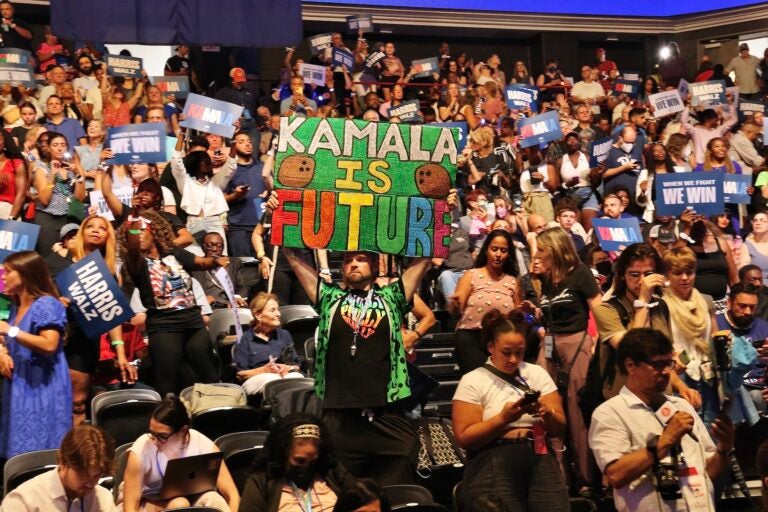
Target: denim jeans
515, 474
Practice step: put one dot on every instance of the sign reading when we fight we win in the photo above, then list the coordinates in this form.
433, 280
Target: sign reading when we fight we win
357, 186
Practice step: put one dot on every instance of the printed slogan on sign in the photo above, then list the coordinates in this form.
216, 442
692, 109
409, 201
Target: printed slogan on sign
352, 185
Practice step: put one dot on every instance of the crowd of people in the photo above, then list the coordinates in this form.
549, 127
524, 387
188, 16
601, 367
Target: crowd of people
567, 351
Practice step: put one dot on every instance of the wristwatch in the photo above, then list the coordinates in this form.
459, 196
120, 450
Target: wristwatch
13, 331
651, 446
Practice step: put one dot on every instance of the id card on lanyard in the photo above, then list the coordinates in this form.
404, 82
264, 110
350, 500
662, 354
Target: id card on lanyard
694, 488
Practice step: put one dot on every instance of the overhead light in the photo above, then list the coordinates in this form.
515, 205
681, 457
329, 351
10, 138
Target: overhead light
611, 38
665, 52
712, 45
385, 31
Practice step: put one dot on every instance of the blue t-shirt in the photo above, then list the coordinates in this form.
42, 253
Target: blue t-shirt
628, 178
736, 168
69, 128
253, 352
248, 210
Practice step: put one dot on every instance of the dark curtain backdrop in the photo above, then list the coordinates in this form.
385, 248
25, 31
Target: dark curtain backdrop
258, 23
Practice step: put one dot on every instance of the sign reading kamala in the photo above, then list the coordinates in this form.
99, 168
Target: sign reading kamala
617, 234
666, 103
700, 191
17, 236
14, 56
424, 67
352, 185
735, 188
628, 87
707, 94
119, 65
520, 96
539, 129
97, 301
137, 143
210, 116
176, 85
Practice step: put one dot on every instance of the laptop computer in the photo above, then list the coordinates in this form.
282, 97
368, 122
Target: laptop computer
191, 475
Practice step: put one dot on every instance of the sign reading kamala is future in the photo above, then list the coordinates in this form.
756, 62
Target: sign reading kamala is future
352, 185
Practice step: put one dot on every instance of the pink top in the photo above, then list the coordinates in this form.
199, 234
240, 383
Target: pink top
486, 295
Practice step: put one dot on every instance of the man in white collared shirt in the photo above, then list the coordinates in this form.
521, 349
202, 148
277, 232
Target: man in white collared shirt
85, 456
632, 434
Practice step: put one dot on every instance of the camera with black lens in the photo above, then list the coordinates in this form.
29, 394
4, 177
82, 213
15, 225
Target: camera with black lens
667, 479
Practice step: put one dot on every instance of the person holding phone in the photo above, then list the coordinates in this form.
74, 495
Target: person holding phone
502, 415
298, 104
245, 196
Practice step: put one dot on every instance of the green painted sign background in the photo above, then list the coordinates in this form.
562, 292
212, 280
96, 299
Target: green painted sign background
354, 185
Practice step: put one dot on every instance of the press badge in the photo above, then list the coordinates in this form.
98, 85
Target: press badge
694, 488
706, 371
549, 345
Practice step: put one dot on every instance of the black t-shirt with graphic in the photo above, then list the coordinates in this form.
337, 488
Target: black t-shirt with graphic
358, 381
565, 306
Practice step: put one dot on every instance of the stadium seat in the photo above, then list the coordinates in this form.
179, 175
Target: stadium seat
25, 466
399, 495
222, 325
300, 320
121, 460
124, 413
271, 389
239, 449
310, 349
218, 421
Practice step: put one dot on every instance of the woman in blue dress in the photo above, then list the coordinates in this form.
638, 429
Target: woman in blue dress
37, 394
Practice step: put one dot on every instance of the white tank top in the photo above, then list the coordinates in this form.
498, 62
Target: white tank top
568, 171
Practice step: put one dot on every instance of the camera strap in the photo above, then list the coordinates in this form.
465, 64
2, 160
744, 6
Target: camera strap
515, 380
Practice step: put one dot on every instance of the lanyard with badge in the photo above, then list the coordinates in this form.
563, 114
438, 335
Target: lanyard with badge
358, 319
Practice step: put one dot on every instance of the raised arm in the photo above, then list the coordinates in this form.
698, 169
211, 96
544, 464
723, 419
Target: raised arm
305, 273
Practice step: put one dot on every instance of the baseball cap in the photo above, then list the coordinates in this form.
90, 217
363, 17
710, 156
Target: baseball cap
743, 46
665, 236
67, 230
237, 75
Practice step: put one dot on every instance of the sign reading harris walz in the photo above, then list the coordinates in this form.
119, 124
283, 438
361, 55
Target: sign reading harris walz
352, 185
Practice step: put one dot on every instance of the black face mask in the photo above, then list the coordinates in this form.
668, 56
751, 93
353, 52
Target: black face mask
551, 69
604, 268
301, 476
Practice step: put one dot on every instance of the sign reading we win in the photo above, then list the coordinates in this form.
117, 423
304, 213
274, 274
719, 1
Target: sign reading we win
360, 186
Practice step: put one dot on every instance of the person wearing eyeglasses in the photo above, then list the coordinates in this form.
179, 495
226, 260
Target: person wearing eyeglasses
692, 321
633, 434
170, 437
215, 289
636, 302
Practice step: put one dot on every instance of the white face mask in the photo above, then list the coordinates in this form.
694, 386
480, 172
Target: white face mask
627, 146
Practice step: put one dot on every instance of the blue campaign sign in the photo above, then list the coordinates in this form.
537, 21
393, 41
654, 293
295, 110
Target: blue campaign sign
617, 234
463, 131
629, 87
700, 191
425, 67
96, 299
342, 57
176, 85
320, 42
137, 143
14, 56
362, 22
17, 74
119, 65
598, 153
536, 130
406, 111
17, 236
683, 87
210, 116
707, 94
735, 188
520, 96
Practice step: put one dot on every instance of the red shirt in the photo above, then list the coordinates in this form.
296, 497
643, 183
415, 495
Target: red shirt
8, 181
